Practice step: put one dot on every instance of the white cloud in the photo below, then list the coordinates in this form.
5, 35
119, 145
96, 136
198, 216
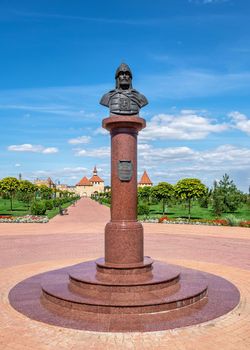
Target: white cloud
50, 150
27, 147
228, 154
64, 173
188, 125
208, 1
101, 131
17, 165
240, 121
149, 153
101, 152
80, 152
80, 140
60, 102
191, 83
42, 173
172, 164
225, 156
74, 170
61, 110
143, 147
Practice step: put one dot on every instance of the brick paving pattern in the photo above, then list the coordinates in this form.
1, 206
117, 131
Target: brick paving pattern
28, 249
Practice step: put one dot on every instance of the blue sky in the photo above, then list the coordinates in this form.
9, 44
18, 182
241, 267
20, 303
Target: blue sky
190, 58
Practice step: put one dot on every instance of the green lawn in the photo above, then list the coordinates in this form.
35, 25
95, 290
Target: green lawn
21, 209
181, 211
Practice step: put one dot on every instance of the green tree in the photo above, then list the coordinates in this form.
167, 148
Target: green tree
162, 192
45, 192
26, 190
107, 196
38, 208
226, 197
248, 197
9, 186
205, 200
190, 189
107, 188
144, 193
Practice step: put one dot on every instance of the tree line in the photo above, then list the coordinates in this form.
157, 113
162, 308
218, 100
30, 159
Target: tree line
38, 198
224, 197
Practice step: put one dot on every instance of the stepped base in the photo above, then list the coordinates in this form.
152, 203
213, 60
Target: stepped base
85, 297
134, 268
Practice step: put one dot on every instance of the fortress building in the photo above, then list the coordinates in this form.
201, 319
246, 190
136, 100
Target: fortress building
87, 187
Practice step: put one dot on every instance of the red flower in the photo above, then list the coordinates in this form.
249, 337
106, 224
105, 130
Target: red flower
245, 224
222, 222
163, 218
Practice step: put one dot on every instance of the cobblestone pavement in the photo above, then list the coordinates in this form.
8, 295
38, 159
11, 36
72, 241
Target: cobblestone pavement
28, 249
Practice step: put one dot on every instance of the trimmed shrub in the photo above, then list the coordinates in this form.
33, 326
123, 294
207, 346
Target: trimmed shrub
38, 208
56, 202
232, 220
49, 204
143, 209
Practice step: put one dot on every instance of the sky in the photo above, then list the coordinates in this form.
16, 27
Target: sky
190, 58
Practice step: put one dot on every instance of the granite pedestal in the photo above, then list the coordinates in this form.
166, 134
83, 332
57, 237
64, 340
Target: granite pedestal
124, 290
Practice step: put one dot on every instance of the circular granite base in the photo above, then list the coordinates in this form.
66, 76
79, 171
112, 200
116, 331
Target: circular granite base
81, 297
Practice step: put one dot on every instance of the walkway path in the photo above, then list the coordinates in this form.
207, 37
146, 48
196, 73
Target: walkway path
27, 249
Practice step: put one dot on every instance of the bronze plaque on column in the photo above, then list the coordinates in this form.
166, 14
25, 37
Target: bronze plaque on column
125, 170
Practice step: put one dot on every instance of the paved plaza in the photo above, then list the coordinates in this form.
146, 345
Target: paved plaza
29, 249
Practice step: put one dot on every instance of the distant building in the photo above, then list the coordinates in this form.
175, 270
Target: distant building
145, 180
47, 182
62, 187
71, 189
87, 187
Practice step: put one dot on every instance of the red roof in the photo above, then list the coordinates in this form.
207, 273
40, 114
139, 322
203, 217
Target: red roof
95, 178
145, 180
84, 182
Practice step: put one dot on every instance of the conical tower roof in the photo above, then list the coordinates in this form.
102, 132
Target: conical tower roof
145, 180
84, 182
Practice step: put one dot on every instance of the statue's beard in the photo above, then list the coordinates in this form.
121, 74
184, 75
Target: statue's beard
124, 85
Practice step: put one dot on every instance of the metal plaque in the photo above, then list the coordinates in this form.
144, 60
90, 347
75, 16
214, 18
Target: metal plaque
125, 170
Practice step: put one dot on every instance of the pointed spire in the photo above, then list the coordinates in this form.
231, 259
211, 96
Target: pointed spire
95, 178
145, 180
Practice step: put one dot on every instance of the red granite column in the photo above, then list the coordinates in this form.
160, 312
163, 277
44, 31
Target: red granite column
124, 234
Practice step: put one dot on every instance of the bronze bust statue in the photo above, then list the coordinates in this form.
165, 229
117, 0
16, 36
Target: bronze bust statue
124, 100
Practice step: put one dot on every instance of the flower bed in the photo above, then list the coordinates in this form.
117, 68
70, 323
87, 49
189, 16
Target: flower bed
23, 219
220, 222
5, 216
216, 222
245, 224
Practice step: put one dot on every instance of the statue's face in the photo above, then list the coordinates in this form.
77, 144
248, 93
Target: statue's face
124, 80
